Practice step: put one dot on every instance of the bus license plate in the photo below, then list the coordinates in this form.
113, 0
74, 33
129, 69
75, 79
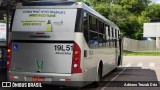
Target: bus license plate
39, 79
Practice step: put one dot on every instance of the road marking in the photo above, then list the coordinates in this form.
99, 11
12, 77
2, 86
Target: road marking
103, 88
128, 65
113, 79
140, 64
152, 65
118, 74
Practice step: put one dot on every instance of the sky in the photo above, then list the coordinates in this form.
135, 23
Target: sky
157, 1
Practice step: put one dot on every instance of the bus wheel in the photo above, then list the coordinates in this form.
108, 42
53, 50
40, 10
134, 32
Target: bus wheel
99, 76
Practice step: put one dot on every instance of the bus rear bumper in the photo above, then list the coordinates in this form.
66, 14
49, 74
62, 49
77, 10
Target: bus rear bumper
75, 80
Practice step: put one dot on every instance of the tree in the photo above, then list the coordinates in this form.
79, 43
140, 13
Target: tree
152, 11
127, 14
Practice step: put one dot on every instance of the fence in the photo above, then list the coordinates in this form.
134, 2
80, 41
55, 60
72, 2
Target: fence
140, 45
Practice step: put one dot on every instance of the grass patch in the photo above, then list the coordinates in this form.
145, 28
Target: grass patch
127, 53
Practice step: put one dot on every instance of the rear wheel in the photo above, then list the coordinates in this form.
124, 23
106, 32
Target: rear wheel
99, 77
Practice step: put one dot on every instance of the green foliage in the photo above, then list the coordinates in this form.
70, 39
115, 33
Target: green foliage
129, 15
126, 53
152, 11
103, 9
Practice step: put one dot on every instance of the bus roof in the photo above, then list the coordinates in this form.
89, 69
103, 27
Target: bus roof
42, 3
65, 4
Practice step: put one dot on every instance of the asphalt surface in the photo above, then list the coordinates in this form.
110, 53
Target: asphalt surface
139, 73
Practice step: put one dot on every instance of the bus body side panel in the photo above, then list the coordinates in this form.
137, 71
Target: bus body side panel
94, 55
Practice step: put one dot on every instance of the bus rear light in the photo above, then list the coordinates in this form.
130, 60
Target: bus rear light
76, 62
9, 55
7, 63
76, 59
76, 52
75, 65
9, 50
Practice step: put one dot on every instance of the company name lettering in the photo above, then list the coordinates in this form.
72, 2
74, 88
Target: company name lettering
44, 11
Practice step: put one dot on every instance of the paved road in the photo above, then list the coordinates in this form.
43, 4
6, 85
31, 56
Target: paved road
134, 71
145, 63
138, 69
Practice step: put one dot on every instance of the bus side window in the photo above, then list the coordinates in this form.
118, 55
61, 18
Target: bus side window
101, 28
110, 37
85, 26
113, 38
116, 38
101, 34
92, 23
93, 42
93, 34
107, 35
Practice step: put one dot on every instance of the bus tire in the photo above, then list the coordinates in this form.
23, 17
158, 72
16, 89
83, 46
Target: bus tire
99, 76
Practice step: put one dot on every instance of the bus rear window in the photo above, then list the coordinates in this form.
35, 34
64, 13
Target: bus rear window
46, 20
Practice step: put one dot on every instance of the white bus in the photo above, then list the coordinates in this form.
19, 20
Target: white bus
61, 41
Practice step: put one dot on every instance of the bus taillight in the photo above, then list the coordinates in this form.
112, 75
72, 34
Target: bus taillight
9, 51
76, 59
76, 52
8, 56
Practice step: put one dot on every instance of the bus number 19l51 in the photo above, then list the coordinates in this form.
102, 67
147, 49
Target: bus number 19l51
63, 47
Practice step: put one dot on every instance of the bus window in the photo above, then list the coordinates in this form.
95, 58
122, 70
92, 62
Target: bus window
101, 28
116, 38
102, 40
113, 38
93, 23
85, 26
107, 33
110, 35
107, 36
93, 42
101, 34
118, 34
115, 33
